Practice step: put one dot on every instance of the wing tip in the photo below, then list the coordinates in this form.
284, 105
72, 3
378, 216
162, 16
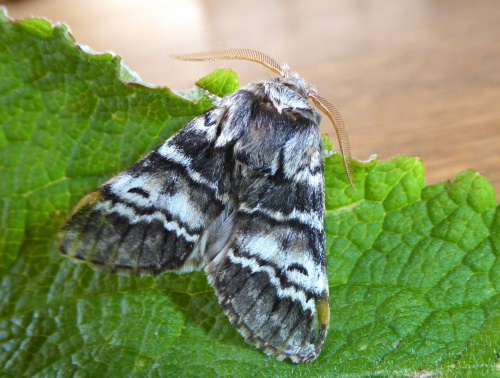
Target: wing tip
307, 352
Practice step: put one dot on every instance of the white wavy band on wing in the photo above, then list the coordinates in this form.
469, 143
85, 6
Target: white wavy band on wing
133, 218
290, 292
310, 219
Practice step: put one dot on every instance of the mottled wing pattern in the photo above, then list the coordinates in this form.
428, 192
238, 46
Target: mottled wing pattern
268, 263
149, 218
239, 191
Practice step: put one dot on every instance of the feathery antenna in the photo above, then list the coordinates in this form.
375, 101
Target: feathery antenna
228, 54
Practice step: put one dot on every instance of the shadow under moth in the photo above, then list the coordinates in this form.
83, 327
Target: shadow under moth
238, 192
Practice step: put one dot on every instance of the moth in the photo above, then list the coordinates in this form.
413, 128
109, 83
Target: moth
238, 192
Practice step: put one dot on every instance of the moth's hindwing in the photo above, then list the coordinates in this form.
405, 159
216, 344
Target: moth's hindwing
149, 218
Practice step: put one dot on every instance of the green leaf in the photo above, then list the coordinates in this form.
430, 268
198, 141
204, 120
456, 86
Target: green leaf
221, 85
414, 270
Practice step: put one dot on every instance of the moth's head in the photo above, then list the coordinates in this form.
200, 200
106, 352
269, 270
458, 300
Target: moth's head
293, 81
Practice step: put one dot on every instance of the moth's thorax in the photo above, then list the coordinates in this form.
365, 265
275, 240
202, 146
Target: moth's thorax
289, 93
